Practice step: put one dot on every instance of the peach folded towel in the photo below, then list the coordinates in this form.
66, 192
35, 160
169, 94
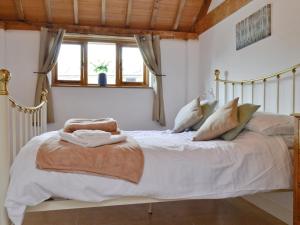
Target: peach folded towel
124, 160
104, 124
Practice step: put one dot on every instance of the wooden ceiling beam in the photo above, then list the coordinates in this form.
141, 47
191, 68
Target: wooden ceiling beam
202, 13
154, 15
225, 9
75, 10
96, 30
48, 7
128, 13
179, 14
103, 12
19, 8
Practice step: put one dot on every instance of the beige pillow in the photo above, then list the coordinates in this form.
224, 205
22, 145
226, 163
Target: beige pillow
245, 112
221, 121
188, 116
207, 108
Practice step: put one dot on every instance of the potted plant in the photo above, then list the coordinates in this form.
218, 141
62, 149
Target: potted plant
101, 69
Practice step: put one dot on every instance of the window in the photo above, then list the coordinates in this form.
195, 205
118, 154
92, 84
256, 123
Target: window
102, 52
69, 60
132, 65
78, 58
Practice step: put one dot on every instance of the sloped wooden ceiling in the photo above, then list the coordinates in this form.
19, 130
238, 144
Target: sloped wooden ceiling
181, 19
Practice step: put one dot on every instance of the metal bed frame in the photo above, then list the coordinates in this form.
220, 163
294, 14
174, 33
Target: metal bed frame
18, 124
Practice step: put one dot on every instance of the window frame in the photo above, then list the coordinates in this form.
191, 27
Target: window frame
83, 82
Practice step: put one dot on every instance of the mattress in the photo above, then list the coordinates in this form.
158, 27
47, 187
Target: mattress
175, 168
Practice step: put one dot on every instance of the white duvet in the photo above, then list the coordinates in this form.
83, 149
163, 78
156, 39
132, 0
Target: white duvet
175, 168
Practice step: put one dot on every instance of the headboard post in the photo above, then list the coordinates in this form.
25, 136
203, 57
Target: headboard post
294, 89
217, 78
4, 79
44, 111
4, 143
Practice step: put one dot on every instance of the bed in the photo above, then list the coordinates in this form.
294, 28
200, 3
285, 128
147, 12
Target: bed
176, 168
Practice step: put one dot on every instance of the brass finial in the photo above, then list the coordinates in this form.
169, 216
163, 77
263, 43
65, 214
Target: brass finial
217, 74
44, 95
4, 78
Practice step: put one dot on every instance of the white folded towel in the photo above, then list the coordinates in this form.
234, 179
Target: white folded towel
91, 142
92, 135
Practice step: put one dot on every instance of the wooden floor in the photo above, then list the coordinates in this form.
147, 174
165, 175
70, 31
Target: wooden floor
198, 212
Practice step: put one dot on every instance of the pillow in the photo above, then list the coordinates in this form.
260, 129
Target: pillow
271, 124
221, 121
188, 116
289, 140
245, 113
207, 108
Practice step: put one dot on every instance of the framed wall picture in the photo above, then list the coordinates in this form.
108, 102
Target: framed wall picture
254, 28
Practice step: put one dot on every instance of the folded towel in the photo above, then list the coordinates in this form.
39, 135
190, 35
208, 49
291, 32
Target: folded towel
105, 124
92, 134
69, 137
91, 142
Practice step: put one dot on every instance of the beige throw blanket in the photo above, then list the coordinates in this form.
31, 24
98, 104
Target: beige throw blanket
105, 124
123, 160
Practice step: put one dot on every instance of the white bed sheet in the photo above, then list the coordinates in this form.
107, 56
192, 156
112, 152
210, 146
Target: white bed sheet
175, 168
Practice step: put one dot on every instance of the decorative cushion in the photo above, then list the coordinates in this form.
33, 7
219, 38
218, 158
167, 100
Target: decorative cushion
207, 109
271, 124
221, 121
188, 115
245, 113
289, 140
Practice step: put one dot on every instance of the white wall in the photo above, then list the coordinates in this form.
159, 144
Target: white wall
132, 107
194, 84
21, 58
281, 50
19, 54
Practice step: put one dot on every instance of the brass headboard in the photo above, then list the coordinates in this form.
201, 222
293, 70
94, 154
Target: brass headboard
292, 71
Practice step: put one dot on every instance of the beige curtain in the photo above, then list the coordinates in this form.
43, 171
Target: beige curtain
50, 43
149, 46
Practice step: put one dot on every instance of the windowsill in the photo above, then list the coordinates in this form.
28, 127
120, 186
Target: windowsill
97, 86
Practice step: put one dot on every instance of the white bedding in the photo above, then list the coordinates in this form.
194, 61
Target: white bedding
175, 168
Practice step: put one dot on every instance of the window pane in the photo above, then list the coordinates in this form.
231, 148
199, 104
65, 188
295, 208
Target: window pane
101, 53
69, 62
132, 65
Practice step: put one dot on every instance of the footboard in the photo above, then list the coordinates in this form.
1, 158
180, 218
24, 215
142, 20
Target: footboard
18, 124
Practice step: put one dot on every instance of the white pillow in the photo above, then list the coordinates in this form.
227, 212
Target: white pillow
271, 124
289, 140
188, 116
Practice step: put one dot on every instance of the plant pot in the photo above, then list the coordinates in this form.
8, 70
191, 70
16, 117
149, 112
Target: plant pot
102, 79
